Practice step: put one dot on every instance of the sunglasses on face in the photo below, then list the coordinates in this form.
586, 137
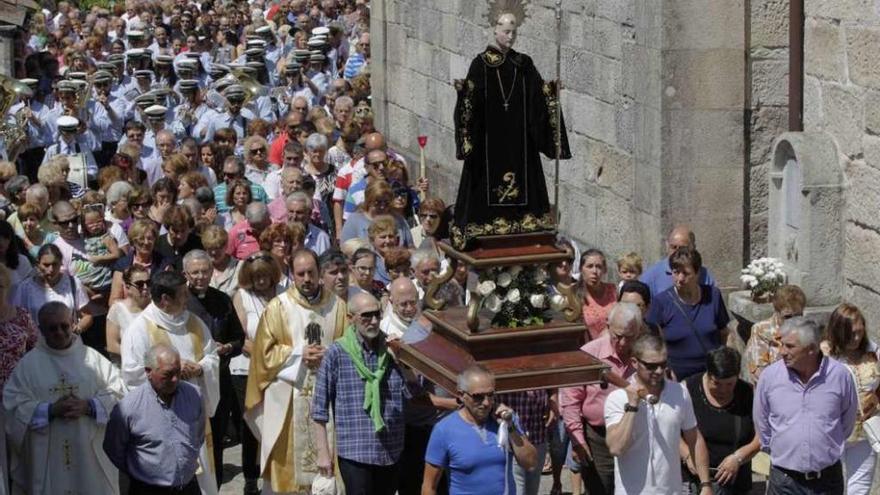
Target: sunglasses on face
260, 151
68, 222
479, 398
429, 216
369, 315
230, 175
659, 366
140, 284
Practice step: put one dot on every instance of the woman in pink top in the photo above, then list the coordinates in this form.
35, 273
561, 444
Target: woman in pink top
598, 295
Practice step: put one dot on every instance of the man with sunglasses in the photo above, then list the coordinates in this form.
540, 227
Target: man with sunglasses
361, 383
233, 169
375, 167
466, 443
645, 423
583, 407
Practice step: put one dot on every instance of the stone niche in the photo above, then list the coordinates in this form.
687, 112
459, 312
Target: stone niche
806, 204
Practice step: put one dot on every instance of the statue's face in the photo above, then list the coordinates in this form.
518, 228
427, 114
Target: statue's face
505, 31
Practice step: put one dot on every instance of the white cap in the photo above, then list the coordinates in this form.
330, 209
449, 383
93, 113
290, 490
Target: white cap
67, 122
321, 30
263, 29
156, 111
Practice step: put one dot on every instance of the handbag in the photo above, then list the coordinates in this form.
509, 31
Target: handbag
870, 426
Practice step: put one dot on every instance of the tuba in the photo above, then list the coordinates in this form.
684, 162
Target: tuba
14, 135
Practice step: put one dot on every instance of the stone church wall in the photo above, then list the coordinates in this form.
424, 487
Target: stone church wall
842, 97
653, 105
610, 191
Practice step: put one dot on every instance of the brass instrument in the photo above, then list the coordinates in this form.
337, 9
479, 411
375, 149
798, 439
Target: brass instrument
14, 135
83, 94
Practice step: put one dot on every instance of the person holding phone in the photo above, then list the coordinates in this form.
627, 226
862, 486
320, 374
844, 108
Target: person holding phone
479, 444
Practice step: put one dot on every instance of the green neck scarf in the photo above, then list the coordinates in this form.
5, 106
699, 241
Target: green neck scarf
372, 397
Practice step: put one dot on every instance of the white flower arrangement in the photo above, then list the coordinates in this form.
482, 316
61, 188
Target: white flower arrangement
763, 276
517, 295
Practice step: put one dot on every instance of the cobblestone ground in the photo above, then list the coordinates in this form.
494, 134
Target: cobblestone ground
235, 483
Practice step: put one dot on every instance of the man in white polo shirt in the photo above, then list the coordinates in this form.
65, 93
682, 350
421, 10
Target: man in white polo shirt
643, 436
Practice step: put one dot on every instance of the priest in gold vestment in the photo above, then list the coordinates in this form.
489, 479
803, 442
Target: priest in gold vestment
57, 402
294, 330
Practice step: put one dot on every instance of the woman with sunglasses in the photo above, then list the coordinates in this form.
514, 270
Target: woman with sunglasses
256, 159
723, 408
847, 341
139, 202
762, 349
123, 312
377, 202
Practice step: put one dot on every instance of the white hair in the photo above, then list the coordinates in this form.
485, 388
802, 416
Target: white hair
256, 212
298, 197
195, 255
625, 314
117, 191
809, 332
421, 255
465, 377
316, 141
151, 358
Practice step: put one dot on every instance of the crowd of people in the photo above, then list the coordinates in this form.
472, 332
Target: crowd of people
205, 241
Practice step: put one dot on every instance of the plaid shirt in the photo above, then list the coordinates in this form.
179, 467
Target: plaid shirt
531, 407
339, 386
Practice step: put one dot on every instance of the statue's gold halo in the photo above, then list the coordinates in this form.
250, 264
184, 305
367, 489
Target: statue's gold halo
518, 8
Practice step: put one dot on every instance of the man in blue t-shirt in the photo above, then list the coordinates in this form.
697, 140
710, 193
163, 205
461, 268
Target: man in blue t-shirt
658, 277
466, 442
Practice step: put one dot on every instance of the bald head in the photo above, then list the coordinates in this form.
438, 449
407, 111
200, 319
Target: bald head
374, 141
680, 236
404, 299
360, 301
375, 163
158, 354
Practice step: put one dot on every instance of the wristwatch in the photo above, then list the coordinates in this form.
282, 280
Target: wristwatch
630, 408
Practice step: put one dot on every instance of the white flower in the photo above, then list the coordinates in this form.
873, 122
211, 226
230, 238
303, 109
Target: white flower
537, 300
513, 296
557, 302
540, 276
492, 303
486, 287
747, 279
758, 272
514, 270
753, 284
504, 279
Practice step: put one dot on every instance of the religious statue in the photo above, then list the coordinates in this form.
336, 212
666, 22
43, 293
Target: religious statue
504, 115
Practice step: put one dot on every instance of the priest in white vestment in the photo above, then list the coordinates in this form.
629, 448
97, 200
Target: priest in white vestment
404, 301
57, 402
293, 332
166, 321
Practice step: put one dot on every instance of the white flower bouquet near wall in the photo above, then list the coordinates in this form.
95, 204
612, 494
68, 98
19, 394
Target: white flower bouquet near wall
762, 277
517, 295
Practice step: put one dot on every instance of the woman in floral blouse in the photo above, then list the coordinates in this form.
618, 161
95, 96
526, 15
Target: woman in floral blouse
847, 341
762, 350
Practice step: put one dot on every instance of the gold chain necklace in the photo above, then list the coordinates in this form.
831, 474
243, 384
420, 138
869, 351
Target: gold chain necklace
506, 98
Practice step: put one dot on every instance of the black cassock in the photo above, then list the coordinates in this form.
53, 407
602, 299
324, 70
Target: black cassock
505, 114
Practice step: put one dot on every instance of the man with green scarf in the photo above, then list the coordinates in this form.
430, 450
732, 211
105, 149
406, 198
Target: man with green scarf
361, 383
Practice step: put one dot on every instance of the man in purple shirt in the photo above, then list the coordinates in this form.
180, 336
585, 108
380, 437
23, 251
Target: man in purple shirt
805, 409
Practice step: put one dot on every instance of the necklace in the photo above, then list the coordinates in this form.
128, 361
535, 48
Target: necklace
506, 98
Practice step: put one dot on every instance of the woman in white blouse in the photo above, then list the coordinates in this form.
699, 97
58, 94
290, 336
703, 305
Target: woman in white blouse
123, 312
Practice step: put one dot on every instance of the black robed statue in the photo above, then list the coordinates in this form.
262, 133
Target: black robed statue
505, 114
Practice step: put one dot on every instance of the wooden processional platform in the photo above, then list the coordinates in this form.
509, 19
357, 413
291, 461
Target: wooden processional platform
525, 358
